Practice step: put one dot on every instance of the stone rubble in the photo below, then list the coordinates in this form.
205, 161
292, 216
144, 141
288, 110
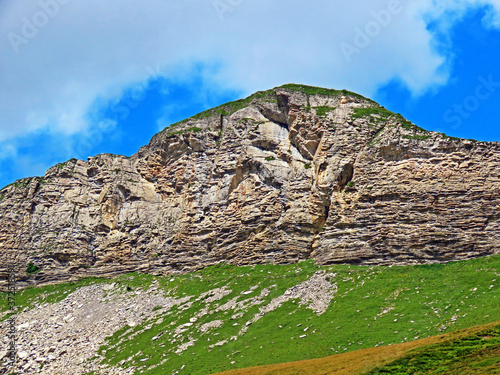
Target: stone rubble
64, 337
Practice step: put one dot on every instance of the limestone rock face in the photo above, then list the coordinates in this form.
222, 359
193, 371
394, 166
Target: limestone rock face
287, 174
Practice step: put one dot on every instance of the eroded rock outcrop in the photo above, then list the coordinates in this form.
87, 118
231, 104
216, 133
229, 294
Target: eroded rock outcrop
287, 174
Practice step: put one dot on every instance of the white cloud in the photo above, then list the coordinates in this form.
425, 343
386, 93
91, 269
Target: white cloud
448, 12
71, 53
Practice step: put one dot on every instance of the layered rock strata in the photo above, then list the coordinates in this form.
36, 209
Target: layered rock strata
288, 174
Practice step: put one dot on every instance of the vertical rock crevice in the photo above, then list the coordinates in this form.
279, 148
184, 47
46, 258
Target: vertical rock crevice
345, 175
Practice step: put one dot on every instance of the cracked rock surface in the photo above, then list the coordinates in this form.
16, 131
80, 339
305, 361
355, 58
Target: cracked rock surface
281, 176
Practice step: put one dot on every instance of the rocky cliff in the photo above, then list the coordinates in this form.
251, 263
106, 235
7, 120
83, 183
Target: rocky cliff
291, 173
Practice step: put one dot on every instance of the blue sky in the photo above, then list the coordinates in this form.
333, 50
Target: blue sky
82, 78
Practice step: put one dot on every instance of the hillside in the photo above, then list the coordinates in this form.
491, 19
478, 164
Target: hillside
474, 350
288, 174
228, 317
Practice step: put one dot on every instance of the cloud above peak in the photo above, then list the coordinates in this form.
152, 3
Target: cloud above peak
59, 56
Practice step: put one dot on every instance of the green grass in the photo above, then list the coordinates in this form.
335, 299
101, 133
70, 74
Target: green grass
478, 353
269, 96
231, 107
23, 182
192, 129
228, 108
32, 296
409, 126
416, 136
353, 321
62, 165
382, 113
359, 362
311, 90
444, 136
323, 110
373, 306
378, 116
32, 268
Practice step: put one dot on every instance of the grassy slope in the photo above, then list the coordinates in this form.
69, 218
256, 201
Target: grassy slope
473, 350
46, 294
374, 306
477, 352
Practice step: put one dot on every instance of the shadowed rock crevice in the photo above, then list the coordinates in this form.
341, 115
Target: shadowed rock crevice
283, 108
274, 114
345, 175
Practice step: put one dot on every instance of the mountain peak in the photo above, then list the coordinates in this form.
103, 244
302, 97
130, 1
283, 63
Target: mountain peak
292, 173
281, 104
303, 92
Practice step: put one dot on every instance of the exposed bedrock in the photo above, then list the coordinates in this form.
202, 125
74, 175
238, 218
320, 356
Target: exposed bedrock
284, 175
